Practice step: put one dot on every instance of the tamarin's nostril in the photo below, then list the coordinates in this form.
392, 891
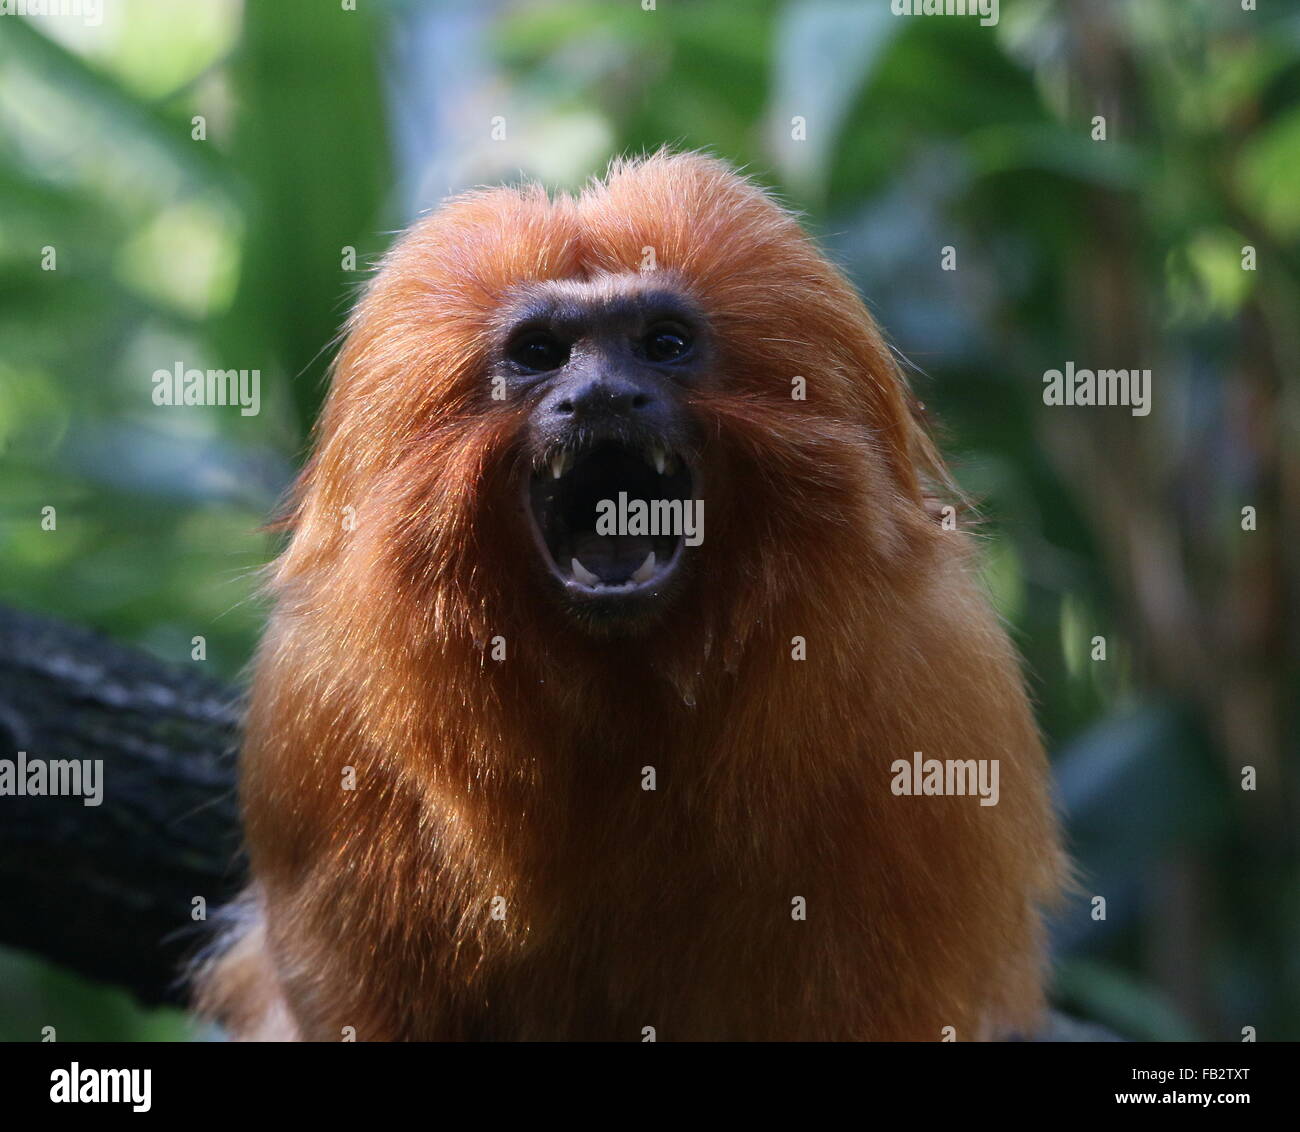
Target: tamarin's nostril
564, 407
640, 401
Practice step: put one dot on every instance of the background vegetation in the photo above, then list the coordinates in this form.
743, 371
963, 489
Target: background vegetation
327, 129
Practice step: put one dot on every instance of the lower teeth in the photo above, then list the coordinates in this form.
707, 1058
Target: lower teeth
643, 573
583, 575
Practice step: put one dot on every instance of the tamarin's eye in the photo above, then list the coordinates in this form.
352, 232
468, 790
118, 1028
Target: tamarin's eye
666, 343
539, 351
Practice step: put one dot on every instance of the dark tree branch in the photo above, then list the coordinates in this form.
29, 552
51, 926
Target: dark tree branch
108, 890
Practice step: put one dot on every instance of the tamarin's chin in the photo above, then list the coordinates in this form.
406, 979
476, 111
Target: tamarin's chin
615, 592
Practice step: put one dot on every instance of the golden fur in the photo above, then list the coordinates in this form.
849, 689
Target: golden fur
521, 778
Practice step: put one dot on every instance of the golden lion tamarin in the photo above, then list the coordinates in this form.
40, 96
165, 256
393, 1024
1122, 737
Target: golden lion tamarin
509, 775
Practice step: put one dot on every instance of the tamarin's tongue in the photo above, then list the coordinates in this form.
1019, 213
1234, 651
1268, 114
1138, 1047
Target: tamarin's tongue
612, 558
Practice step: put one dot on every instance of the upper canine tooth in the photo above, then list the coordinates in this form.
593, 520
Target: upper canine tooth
659, 458
646, 570
582, 574
559, 464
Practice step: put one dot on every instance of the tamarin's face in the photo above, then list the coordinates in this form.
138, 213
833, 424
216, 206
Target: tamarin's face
606, 366
653, 408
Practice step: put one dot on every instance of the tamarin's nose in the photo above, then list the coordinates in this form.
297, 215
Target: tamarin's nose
603, 397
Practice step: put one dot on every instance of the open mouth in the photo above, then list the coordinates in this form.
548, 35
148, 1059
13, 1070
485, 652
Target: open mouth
611, 518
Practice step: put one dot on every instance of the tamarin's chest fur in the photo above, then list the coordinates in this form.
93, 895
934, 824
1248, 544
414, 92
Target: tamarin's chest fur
747, 878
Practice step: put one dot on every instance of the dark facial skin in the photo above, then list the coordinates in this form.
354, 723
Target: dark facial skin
609, 363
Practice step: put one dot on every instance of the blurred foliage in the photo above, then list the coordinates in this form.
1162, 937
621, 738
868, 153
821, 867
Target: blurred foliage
325, 128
